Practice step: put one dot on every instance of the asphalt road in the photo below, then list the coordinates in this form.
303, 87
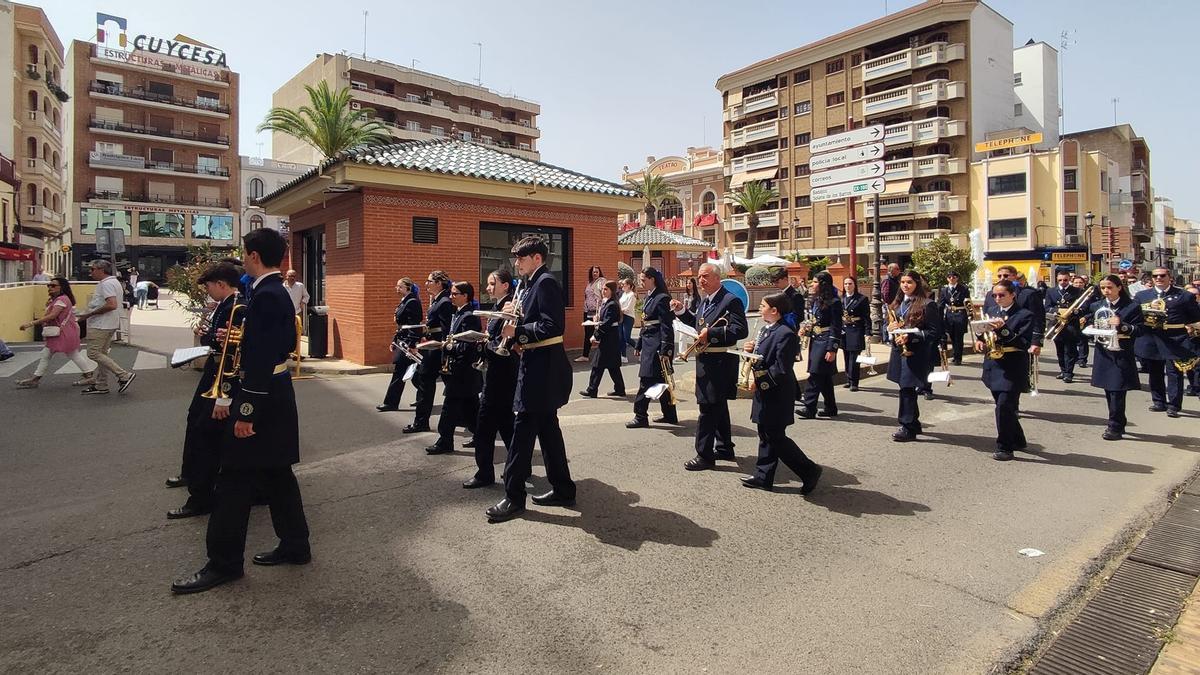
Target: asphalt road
904, 560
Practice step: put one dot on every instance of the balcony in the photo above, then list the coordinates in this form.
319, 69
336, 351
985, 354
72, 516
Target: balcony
136, 198
907, 241
926, 205
923, 132
117, 93
375, 98
182, 136
924, 94
413, 131
754, 133
909, 59
41, 121
740, 221
755, 161
43, 168
42, 218
755, 103
917, 167
143, 165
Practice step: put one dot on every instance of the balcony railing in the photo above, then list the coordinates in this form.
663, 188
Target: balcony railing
924, 204
135, 162
754, 133
523, 125
755, 103
906, 241
923, 94
181, 134
755, 161
107, 195
42, 167
43, 214
443, 132
917, 167
922, 132
914, 57
205, 105
740, 221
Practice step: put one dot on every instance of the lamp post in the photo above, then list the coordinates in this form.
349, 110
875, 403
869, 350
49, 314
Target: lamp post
1088, 218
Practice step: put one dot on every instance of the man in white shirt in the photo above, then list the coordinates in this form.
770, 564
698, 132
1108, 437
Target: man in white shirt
103, 319
297, 291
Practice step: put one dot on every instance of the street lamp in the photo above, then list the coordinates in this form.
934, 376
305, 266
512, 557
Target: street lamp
1088, 218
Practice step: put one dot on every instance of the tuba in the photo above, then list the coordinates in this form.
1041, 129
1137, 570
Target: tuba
229, 362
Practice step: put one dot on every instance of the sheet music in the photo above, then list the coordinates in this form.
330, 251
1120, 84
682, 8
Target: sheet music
185, 355
685, 330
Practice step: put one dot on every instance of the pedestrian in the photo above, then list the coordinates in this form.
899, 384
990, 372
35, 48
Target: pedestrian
591, 304
103, 320
1081, 347
794, 296
297, 291
41, 277
1116, 370
1006, 366
461, 380
690, 303
1066, 344
628, 301
909, 364
60, 330
856, 324
408, 313
822, 326
655, 351
499, 388
607, 341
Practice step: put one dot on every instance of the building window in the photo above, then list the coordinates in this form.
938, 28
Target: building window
496, 241
1069, 179
783, 173
708, 203
256, 188
256, 222
801, 76
208, 99
783, 143
90, 219
1008, 228
783, 202
835, 66
836, 98
1071, 226
837, 229
782, 81
804, 232
835, 129
937, 37
1013, 183
802, 170
803, 107
169, 225
161, 89
1104, 181
856, 59
1018, 110
670, 208
803, 201
855, 93
803, 139
1016, 79
783, 112
212, 227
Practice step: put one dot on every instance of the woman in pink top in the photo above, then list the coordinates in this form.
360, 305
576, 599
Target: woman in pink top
60, 313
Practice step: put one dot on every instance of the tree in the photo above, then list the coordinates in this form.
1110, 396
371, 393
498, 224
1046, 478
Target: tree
653, 190
754, 197
182, 279
941, 256
327, 123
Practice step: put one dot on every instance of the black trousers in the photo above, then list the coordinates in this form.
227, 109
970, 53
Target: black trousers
425, 382
1067, 348
1166, 383
713, 433
396, 386
819, 385
495, 417
641, 402
543, 428
1009, 434
201, 460
851, 366
909, 415
588, 331
775, 446
955, 334
231, 514
1081, 351
1116, 410
1193, 378
457, 411
614, 371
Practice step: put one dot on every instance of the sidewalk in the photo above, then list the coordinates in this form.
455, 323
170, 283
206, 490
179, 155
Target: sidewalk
1181, 656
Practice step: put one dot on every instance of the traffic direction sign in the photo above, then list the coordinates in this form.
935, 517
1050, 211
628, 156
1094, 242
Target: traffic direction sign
846, 173
871, 134
871, 186
862, 153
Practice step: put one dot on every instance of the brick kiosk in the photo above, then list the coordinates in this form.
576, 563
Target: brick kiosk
363, 219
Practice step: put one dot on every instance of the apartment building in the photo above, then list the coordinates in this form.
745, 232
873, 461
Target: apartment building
1035, 84
938, 75
1132, 196
154, 152
35, 102
413, 104
260, 176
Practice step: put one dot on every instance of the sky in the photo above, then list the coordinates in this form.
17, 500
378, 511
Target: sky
620, 80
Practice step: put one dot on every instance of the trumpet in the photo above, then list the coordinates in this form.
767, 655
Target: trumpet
893, 318
504, 345
668, 375
229, 363
699, 347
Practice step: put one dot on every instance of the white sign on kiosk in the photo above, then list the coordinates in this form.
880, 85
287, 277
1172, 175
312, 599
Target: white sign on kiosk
859, 188
846, 139
846, 174
862, 153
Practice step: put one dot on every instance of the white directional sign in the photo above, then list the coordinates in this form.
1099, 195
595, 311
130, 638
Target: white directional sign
846, 173
843, 190
862, 153
869, 134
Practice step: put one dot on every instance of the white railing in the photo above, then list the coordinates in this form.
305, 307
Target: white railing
907, 241
754, 133
924, 131
740, 221
914, 57
753, 104
755, 161
915, 167
928, 203
43, 214
925, 93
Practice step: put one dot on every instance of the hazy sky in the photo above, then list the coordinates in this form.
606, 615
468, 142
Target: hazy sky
620, 80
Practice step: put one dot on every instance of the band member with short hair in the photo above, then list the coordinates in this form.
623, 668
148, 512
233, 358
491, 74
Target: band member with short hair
796, 301
720, 322
910, 362
1166, 310
437, 327
1006, 366
856, 325
1116, 370
1081, 346
954, 300
656, 340
1028, 297
822, 325
543, 386
774, 381
1066, 344
461, 379
408, 313
499, 388
606, 339
264, 442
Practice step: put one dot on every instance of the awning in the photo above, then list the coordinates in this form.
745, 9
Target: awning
742, 178
897, 187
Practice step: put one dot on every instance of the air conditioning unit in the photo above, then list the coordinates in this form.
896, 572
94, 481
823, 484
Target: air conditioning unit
1071, 240
355, 105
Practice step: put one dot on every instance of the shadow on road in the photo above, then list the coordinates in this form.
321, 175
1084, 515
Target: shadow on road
1037, 454
1177, 442
834, 494
612, 517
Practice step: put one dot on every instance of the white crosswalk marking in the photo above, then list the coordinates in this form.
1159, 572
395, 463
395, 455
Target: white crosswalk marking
69, 368
149, 361
15, 364
60, 365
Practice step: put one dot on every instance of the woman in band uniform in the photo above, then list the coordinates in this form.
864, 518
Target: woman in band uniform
607, 340
656, 339
823, 324
856, 323
774, 391
460, 402
911, 308
1115, 370
1006, 367
408, 313
499, 389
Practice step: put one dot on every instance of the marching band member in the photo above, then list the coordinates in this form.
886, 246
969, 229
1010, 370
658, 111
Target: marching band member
954, 300
461, 380
1116, 370
823, 326
1028, 298
265, 439
1006, 366
437, 327
774, 382
1066, 343
720, 321
408, 313
543, 386
856, 325
1167, 310
1081, 347
499, 388
910, 364
656, 339
606, 338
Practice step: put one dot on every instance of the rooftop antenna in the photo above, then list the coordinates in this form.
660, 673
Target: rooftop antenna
365, 14
479, 76
414, 63
1114, 102
1066, 41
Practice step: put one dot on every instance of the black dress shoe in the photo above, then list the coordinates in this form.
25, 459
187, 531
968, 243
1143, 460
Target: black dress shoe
386, 408
698, 463
475, 482
810, 481
756, 483
1002, 456
1081, 364
806, 413
5, 357
503, 510
956, 362
188, 510
1171, 412
664, 419
1158, 408
1060, 376
415, 428
637, 423
617, 393
854, 387
201, 581
413, 404
552, 498
176, 481
846, 385
1068, 379
827, 413
904, 436
469, 443
727, 456
1111, 435
438, 449
587, 394
929, 396
278, 556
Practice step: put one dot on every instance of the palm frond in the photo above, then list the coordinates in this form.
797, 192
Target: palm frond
327, 123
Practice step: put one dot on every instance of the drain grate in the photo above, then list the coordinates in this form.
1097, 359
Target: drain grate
1172, 546
1185, 511
1117, 632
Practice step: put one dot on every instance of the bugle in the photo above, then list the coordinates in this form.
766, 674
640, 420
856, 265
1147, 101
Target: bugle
228, 363
700, 346
745, 381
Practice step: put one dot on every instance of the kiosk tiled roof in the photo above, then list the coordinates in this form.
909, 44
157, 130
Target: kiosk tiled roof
651, 236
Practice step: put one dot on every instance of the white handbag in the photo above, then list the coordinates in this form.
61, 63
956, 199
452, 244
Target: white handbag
51, 331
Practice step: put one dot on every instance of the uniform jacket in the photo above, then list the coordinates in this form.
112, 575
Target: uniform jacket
544, 375
913, 371
1027, 298
828, 317
608, 333
656, 339
463, 379
1011, 371
200, 409
437, 327
774, 377
408, 313
1172, 344
1058, 298
1117, 371
854, 332
500, 378
792, 316
956, 321
716, 372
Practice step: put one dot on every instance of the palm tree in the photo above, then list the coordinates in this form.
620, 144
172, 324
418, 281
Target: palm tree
752, 198
327, 123
653, 189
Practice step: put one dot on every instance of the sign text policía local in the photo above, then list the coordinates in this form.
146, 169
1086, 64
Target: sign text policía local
830, 160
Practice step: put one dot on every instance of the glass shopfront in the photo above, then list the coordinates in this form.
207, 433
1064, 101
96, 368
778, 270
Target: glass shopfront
90, 219
168, 225
212, 227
